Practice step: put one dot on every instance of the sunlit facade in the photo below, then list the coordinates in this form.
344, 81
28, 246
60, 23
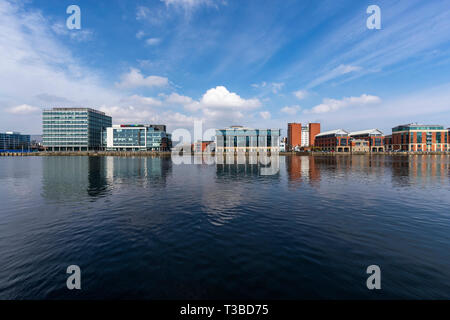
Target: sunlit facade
240, 139
73, 129
137, 137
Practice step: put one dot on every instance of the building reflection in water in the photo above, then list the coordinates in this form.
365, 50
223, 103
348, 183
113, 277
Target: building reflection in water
248, 165
420, 169
74, 178
302, 168
404, 170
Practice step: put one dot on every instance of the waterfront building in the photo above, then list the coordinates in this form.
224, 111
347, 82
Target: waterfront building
73, 129
334, 140
373, 136
138, 137
360, 145
388, 142
314, 130
302, 136
240, 139
420, 138
14, 141
294, 135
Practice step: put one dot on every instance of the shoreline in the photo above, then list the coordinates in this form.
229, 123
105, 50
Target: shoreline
168, 154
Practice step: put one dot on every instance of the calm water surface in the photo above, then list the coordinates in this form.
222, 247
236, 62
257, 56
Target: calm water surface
146, 228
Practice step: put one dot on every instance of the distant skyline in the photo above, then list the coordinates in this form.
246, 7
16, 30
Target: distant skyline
255, 63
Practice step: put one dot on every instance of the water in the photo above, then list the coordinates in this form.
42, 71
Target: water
145, 228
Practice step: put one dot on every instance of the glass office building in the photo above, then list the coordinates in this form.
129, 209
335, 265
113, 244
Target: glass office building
74, 129
240, 139
138, 137
10, 141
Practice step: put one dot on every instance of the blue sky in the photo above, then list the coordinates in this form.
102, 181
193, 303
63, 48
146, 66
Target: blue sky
250, 62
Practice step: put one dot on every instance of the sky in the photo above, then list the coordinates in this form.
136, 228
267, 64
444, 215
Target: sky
256, 63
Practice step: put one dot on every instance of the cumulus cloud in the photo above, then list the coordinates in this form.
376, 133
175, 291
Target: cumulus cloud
135, 79
220, 98
329, 105
300, 94
291, 110
23, 109
143, 101
175, 98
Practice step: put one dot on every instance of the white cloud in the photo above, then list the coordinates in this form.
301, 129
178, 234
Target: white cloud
277, 87
300, 94
142, 12
265, 115
335, 73
135, 79
175, 98
78, 35
143, 101
23, 109
190, 4
220, 98
291, 110
152, 41
329, 105
259, 85
140, 34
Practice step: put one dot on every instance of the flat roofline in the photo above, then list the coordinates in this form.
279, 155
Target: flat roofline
75, 109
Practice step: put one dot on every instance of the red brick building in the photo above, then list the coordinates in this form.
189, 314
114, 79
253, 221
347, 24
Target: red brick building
294, 135
420, 138
335, 140
314, 130
373, 136
301, 137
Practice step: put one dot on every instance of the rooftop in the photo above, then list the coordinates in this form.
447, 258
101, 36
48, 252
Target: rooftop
366, 132
332, 132
75, 109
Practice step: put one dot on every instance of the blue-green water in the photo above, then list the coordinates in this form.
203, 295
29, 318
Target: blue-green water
146, 228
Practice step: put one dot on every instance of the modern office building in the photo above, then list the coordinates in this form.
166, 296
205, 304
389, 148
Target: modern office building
373, 136
14, 141
420, 138
302, 136
138, 137
73, 129
240, 139
335, 140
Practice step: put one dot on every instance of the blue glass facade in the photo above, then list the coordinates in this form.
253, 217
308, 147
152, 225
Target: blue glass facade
138, 138
66, 129
239, 139
14, 141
